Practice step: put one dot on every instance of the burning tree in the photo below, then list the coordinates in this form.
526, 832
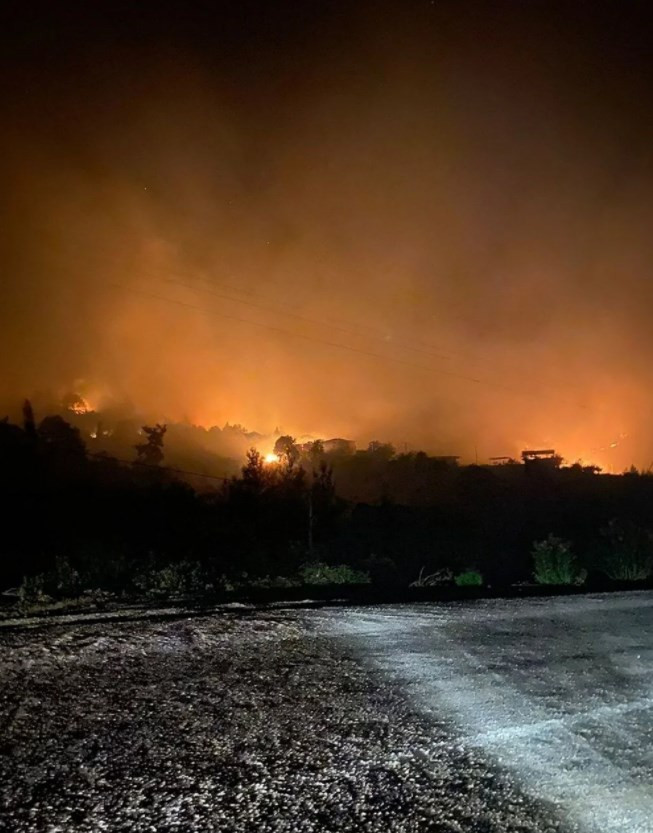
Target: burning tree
75, 403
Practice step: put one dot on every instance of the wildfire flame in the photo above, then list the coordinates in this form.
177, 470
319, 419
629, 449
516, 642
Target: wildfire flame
79, 406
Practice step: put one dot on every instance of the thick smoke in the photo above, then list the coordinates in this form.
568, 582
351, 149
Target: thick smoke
425, 223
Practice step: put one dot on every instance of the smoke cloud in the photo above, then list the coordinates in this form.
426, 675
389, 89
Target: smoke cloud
427, 223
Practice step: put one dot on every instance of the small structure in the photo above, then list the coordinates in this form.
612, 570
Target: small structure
529, 455
339, 446
541, 458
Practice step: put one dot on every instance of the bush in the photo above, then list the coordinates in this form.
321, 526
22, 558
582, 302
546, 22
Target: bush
179, 579
555, 563
63, 581
321, 573
103, 567
470, 578
382, 570
629, 552
66, 579
32, 589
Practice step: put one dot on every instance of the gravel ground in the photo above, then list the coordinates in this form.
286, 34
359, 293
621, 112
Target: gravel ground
251, 722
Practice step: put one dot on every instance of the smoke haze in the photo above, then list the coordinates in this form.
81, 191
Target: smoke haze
424, 222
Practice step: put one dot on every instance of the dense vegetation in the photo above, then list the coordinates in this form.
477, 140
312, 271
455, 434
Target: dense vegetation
74, 521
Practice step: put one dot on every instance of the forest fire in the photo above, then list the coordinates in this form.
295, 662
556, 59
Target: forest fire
346, 296
77, 405
280, 282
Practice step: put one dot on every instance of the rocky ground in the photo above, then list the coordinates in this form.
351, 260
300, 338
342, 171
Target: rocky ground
248, 722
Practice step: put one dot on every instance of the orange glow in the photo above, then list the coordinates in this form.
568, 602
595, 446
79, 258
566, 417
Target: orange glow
80, 406
366, 291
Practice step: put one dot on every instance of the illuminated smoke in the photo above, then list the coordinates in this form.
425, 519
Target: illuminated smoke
416, 227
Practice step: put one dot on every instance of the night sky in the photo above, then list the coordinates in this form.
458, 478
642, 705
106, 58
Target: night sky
426, 222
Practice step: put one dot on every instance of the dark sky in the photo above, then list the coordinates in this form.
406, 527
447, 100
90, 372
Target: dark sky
426, 222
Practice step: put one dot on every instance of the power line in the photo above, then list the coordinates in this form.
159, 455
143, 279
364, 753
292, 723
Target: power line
297, 316
109, 457
276, 329
338, 345
314, 322
345, 327
371, 333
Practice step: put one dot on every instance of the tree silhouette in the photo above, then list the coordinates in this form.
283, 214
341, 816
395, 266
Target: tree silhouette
323, 486
62, 437
29, 423
286, 449
381, 451
150, 453
316, 452
254, 475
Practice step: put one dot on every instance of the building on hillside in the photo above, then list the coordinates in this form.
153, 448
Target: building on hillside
542, 457
339, 446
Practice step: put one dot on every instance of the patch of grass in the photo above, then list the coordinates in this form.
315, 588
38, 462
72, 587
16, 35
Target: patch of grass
321, 573
178, 579
555, 563
271, 582
629, 552
469, 578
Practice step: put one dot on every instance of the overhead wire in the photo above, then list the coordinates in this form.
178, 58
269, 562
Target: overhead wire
171, 276
110, 457
338, 345
521, 391
356, 329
